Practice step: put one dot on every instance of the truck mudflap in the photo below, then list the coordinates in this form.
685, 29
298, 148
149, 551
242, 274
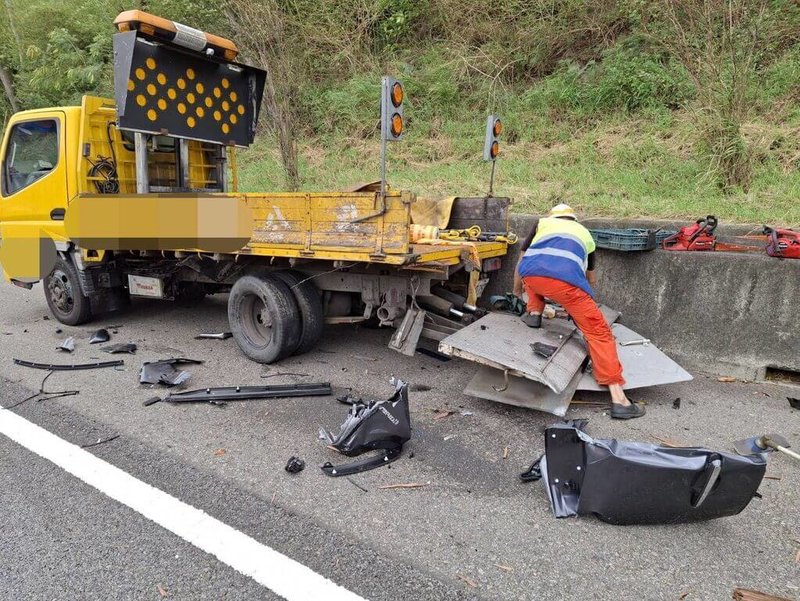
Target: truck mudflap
640, 483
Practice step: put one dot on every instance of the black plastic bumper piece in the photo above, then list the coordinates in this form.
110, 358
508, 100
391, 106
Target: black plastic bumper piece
385, 457
640, 483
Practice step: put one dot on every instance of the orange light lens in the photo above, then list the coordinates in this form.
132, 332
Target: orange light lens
498, 127
495, 150
397, 94
397, 125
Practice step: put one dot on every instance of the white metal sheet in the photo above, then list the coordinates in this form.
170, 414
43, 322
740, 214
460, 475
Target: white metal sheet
521, 392
642, 365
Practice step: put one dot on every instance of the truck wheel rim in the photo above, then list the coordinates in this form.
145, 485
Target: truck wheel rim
257, 322
60, 290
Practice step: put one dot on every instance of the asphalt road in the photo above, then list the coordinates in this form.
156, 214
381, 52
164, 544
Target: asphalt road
473, 530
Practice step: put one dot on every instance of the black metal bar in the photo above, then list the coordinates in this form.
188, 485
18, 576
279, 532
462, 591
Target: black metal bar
242, 393
53, 367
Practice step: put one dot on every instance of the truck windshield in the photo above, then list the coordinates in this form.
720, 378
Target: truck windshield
32, 153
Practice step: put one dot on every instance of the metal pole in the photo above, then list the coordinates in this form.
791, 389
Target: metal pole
222, 167
383, 166
142, 176
183, 155
491, 180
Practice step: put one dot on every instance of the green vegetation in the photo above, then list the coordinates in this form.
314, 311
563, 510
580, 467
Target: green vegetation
663, 108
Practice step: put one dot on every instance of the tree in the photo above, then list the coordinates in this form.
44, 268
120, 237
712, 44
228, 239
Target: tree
261, 29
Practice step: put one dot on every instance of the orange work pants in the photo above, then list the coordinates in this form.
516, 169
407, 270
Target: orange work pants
587, 316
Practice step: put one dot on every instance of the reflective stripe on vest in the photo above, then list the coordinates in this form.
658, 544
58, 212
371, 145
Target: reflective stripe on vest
559, 250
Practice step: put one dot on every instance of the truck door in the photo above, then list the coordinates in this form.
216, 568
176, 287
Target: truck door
34, 170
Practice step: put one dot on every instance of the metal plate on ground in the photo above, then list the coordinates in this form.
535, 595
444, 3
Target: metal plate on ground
521, 392
502, 341
642, 365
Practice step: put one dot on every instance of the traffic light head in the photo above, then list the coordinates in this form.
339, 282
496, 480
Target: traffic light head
392, 96
491, 145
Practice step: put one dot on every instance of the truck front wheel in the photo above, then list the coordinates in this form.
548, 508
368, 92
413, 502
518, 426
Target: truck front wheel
264, 318
64, 296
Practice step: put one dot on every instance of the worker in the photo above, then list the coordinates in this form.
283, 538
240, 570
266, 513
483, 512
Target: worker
558, 263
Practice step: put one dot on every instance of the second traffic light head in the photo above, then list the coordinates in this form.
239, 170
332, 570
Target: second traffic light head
491, 144
392, 96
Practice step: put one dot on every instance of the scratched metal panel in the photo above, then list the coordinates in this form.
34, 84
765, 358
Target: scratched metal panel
641, 365
521, 392
502, 341
491, 214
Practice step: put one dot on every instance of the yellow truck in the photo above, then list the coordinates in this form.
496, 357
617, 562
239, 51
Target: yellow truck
138, 196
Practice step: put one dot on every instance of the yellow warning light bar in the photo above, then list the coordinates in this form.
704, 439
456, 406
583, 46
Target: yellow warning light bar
176, 33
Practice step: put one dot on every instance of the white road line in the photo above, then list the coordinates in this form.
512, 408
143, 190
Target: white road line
282, 575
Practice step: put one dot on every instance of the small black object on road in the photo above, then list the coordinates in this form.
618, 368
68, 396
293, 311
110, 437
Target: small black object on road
295, 465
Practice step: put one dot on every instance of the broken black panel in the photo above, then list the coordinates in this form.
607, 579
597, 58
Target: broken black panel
640, 483
377, 425
100, 335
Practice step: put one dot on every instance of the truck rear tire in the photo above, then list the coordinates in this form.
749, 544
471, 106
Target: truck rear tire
264, 318
62, 290
309, 302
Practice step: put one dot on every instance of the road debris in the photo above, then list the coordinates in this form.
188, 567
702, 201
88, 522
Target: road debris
409, 485
505, 452
68, 367
639, 342
100, 335
220, 452
217, 336
47, 394
100, 441
666, 442
676, 404
746, 594
284, 373
295, 465
376, 425
163, 371
356, 484
246, 393
773, 478
793, 403
468, 581
623, 482
500, 566
726, 379
442, 413
68, 345
128, 347
162, 591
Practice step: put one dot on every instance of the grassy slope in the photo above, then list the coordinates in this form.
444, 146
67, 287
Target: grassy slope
623, 167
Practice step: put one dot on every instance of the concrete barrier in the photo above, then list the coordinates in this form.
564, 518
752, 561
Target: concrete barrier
726, 313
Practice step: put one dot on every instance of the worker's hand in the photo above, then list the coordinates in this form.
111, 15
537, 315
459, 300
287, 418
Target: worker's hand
592, 277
